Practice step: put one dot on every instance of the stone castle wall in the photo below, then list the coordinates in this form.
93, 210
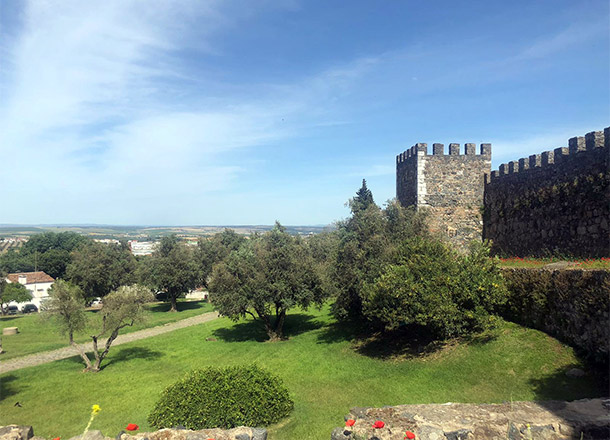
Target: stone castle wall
554, 202
449, 187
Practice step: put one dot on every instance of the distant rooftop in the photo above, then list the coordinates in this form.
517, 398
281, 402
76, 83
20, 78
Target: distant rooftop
30, 277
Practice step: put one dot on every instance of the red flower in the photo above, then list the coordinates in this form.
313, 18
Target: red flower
409, 435
57, 438
378, 424
132, 427
350, 422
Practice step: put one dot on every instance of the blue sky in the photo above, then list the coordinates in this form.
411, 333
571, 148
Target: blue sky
244, 112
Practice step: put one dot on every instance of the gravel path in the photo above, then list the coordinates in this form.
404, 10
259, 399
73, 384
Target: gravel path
66, 352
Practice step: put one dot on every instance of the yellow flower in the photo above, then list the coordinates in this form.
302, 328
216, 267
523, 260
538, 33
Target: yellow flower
95, 409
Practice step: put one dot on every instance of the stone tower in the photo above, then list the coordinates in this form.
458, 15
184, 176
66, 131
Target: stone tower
450, 187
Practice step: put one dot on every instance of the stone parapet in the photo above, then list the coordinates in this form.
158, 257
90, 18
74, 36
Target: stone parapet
556, 202
581, 419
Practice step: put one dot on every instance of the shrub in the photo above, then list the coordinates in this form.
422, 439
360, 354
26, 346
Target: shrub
223, 398
435, 287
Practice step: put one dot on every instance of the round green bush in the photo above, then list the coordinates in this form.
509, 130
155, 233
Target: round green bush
223, 398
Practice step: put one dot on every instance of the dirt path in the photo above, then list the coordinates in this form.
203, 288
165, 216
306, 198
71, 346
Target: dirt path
66, 352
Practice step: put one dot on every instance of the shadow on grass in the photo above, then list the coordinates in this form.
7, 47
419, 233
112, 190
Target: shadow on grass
561, 385
406, 342
117, 355
255, 331
553, 390
126, 354
7, 389
8, 318
182, 305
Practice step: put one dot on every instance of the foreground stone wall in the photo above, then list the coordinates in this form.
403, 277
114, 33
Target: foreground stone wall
449, 186
554, 202
582, 419
571, 304
15, 432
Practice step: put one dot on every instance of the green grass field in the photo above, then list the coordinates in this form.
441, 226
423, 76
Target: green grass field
325, 371
37, 334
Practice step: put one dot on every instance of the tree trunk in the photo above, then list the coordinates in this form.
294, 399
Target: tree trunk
279, 324
99, 357
174, 303
81, 353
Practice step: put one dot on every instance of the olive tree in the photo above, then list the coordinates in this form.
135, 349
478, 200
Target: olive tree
122, 307
264, 278
170, 269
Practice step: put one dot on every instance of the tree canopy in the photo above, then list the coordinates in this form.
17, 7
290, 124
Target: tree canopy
12, 292
264, 278
48, 252
367, 241
212, 250
170, 269
99, 268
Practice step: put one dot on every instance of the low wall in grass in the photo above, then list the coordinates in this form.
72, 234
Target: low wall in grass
571, 304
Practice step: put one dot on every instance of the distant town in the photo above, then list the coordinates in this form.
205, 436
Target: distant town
141, 239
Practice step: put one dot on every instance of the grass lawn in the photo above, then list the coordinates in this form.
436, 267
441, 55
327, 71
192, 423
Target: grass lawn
323, 369
37, 334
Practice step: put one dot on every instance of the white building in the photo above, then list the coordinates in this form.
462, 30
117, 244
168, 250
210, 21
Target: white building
142, 247
197, 294
37, 283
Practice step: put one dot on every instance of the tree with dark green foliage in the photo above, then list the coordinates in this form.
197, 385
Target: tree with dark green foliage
367, 241
223, 398
264, 278
170, 269
434, 287
363, 199
99, 268
48, 252
13, 292
214, 249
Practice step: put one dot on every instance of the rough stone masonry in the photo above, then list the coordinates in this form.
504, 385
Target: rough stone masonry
557, 202
449, 186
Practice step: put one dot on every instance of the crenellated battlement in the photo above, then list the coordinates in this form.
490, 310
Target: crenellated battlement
421, 149
447, 183
579, 148
555, 201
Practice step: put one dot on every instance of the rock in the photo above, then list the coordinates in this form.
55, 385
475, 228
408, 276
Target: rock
513, 432
544, 432
575, 372
409, 417
460, 434
429, 433
259, 434
243, 436
340, 434
90, 435
198, 436
16, 432
10, 331
210, 339
359, 411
